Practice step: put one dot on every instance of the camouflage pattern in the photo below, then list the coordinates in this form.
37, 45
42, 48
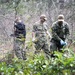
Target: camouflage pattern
19, 47
40, 35
19, 40
58, 33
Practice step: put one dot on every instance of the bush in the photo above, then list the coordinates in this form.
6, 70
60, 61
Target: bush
61, 65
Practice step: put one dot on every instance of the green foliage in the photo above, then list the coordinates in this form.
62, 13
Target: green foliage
30, 43
39, 65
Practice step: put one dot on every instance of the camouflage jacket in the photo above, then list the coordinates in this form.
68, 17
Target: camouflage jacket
60, 32
40, 29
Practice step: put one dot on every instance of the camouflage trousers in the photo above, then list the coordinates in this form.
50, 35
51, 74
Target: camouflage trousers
42, 44
55, 45
19, 46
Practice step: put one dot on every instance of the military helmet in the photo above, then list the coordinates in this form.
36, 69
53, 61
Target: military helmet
61, 18
43, 16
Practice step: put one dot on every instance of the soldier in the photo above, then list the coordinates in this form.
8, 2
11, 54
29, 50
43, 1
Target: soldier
60, 32
19, 39
39, 36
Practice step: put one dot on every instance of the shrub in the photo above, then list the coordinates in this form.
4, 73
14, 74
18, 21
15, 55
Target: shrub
61, 65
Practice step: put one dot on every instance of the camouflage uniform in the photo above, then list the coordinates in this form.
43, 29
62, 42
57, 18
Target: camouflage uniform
40, 35
58, 33
19, 40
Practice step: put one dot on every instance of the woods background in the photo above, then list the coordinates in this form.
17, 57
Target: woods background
30, 10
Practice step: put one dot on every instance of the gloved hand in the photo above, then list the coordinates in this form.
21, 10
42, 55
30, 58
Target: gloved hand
63, 42
34, 40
